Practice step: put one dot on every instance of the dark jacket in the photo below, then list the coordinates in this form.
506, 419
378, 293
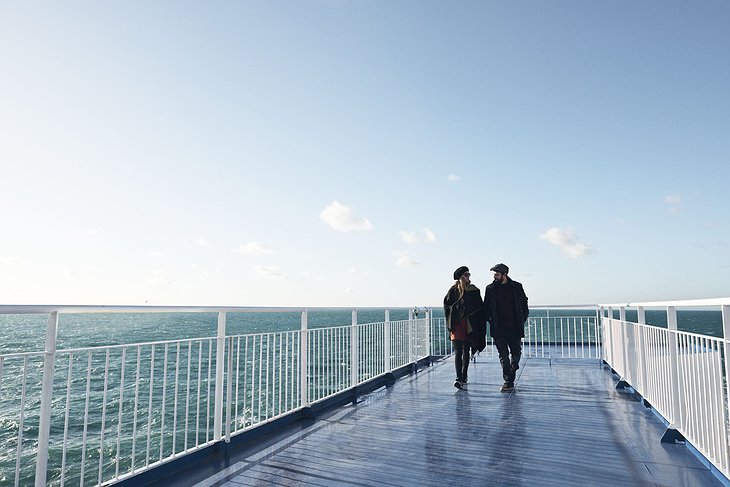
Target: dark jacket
471, 308
521, 311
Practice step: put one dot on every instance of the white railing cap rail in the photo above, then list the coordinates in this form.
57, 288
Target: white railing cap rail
566, 306
65, 308
684, 303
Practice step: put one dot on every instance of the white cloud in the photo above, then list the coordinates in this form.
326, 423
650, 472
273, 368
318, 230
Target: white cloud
254, 248
9, 261
430, 236
567, 241
404, 259
674, 201
340, 217
408, 237
453, 177
202, 242
269, 271
154, 253
200, 270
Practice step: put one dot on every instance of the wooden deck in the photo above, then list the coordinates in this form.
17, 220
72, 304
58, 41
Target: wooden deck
565, 425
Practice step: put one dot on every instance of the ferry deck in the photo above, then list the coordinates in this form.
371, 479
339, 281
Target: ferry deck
565, 424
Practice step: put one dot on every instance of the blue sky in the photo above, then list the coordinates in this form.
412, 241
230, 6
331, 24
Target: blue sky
352, 153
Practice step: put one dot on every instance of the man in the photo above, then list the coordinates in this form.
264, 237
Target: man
505, 308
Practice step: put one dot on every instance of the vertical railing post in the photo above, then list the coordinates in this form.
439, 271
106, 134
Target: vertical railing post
643, 358
600, 312
725, 310
44, 425
219, 372
599, 333
386, 338
410, 336
677, 420
628, 343
353, 350
303, 375
428, 332
612, 335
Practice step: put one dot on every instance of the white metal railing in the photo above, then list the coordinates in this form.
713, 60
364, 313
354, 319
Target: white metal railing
545, 337
682, 375
93, 415
98, 415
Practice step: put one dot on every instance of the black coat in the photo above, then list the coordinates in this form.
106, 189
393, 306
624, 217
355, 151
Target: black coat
521, 311
470, 307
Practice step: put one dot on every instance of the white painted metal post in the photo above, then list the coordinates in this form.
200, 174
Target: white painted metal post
219, 370
677, 415
428, 332
353, 350
597, 334
303, 377
410, 336
627, 344
44, 426
386, 345
641, 319
725, 309
610, 333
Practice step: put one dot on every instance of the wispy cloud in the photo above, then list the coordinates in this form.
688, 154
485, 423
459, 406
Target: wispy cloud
154, 253
269, 271
254, 248
9, 261
408, 237
341, 217
674, 201
202, 272
567, 241
404, 259
453, 177
430, 236
202, 242
412, 238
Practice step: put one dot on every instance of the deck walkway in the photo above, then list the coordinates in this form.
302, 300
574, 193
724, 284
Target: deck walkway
564, 425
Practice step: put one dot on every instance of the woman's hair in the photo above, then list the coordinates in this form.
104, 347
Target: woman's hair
459, 287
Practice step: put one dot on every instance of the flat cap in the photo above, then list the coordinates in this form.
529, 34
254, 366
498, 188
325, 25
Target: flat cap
500, 268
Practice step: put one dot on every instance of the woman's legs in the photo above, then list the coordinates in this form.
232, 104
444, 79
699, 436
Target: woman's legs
461, 359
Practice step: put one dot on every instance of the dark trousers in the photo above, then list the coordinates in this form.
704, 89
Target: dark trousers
461, 350
507, 345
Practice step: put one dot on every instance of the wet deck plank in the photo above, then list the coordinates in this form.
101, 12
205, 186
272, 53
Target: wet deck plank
564, 425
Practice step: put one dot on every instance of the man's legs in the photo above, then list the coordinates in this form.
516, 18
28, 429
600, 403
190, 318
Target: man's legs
515, 347
503, 343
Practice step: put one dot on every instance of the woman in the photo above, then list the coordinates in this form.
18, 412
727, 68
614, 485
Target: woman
463, 310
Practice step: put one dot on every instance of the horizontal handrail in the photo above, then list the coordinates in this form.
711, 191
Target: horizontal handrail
81, 309
682, 303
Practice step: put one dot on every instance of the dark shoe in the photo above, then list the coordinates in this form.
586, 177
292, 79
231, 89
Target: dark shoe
457, 384
507, 387
464, 380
